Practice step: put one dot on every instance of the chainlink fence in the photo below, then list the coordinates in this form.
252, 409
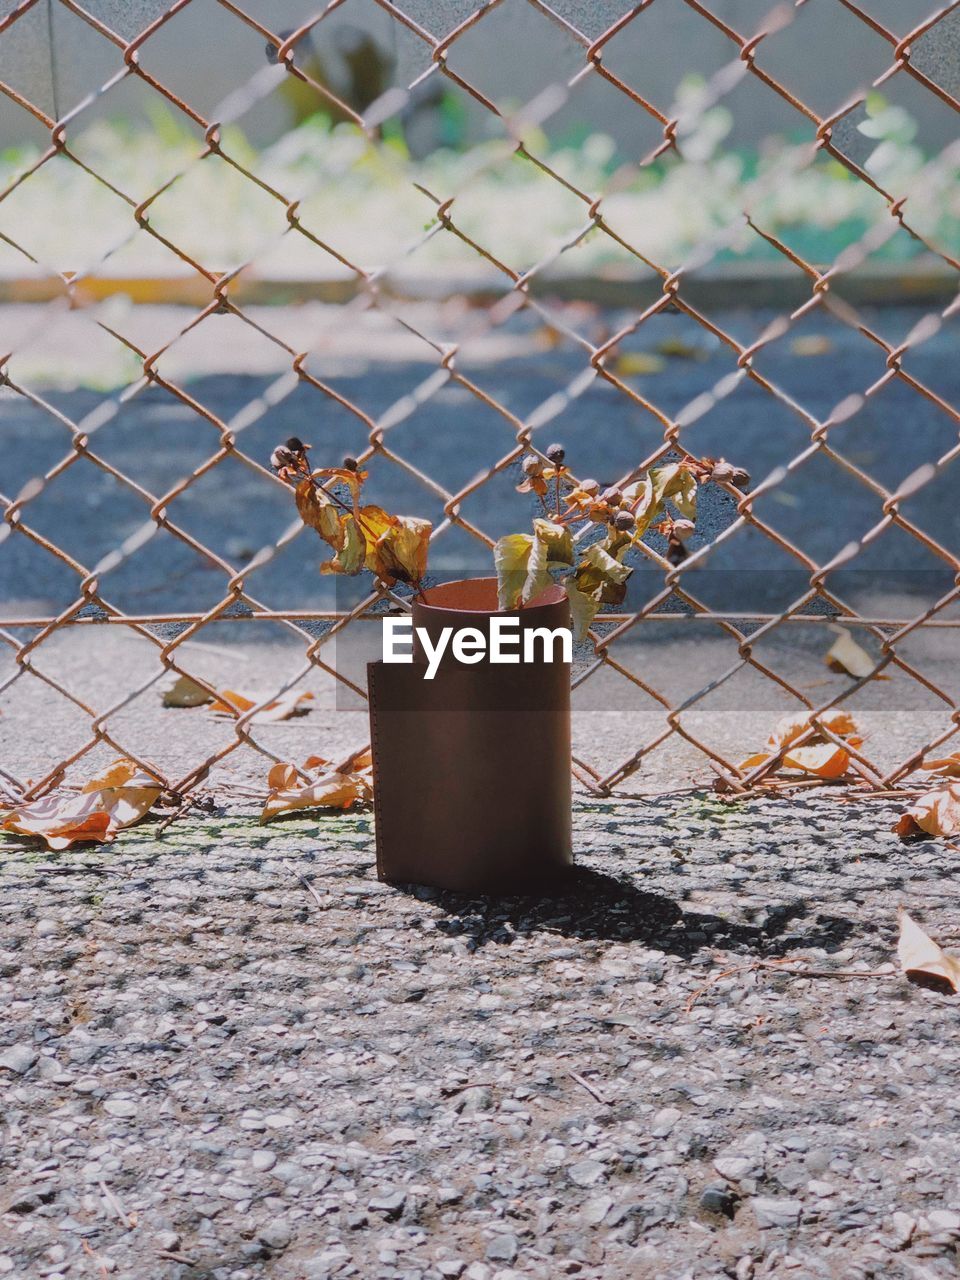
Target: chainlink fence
518, 122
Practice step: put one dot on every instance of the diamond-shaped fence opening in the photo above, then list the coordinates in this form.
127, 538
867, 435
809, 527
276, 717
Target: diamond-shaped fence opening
431, 236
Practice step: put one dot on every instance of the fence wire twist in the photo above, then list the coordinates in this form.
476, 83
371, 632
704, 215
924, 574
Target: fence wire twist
744, 630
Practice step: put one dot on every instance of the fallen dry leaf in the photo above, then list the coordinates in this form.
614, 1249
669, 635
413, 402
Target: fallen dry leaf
288, 704
823, 759
791, 727
818, 756
920, 955
849, 657
117, 798
60, 818
326, 788
360, 762
186, 693
117, 774
936, 812
945, 767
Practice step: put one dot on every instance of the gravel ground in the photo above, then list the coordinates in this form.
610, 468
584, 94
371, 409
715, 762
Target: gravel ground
210, 1070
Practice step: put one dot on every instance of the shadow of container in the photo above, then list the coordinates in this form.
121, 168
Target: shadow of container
472, 768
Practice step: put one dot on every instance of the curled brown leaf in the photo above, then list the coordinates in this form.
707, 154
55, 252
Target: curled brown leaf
945, 767
323, 787
850, 658
920, 956
288, 704
936, 813
116, 798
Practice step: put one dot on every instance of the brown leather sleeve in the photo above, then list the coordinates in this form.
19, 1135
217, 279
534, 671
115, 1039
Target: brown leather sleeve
472, 775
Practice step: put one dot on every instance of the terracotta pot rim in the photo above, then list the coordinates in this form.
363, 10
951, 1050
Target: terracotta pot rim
548, 599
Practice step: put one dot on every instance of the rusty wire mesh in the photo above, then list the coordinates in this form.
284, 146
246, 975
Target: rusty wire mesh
221, 293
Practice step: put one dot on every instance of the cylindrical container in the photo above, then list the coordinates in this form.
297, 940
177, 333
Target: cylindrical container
472, 768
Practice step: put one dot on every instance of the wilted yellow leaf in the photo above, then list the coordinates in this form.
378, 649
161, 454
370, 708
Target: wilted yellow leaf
318, 511
398, 551
557, 540
919, 954
600, 578
639, 492
946, 767
288, 704
846, 655
186, 693
510, 557
674, 481
599, 572
684, 494
350, 547
937, 813
392, 547
523, 562
583, 610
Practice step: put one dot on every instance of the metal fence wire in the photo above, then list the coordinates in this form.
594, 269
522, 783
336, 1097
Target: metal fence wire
220, 293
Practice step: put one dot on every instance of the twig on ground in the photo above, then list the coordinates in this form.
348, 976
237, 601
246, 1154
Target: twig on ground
202, 800
594, 1093
451, 1090
306, 884
128, 1220
894, 793
756, 966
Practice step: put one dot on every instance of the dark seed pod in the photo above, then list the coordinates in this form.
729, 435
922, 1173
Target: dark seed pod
676, 551
296, 445
624, 521
590, 486
740, 478
723, 472
556, 453
350, 464
684, 529
282, 458
612, 496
